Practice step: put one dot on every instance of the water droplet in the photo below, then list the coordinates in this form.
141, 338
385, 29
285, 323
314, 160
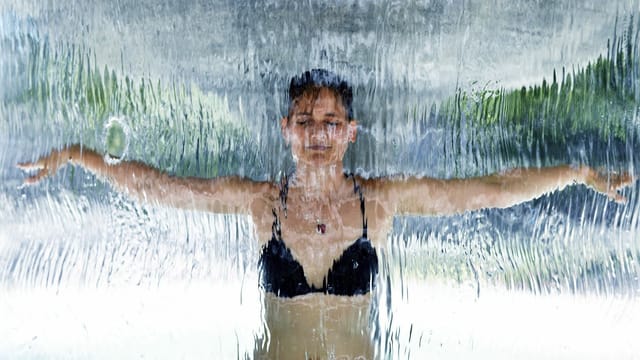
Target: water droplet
116, 139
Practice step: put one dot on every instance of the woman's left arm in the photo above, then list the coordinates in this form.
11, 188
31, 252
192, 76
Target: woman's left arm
429, 196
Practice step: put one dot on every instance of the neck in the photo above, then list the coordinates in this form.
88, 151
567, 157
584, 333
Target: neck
321, 180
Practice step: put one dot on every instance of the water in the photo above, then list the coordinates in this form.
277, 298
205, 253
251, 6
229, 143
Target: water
197, 90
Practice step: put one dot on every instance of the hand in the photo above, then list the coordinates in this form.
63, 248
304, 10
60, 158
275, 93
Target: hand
46, 165
608, 183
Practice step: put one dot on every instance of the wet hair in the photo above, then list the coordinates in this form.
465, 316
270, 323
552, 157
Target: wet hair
312, 81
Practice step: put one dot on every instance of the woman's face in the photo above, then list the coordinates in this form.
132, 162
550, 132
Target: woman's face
318, 130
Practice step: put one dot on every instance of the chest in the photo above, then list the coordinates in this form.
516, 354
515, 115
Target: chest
301, 230
318, 233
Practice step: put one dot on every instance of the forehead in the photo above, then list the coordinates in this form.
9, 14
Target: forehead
322, 99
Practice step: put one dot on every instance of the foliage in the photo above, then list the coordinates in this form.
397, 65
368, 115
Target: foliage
178, 128
597, 103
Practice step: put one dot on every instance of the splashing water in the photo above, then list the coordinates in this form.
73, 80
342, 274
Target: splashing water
442, 89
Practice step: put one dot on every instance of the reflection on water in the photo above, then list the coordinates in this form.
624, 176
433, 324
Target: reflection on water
197, 90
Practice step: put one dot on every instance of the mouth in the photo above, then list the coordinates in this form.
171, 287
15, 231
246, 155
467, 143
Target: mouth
318, 147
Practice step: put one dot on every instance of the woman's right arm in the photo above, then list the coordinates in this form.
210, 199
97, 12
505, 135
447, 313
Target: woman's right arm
219, 195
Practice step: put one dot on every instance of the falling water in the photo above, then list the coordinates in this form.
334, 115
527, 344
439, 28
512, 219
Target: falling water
442, 89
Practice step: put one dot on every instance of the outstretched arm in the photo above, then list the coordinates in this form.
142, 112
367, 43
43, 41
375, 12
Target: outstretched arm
430, 196
222, 195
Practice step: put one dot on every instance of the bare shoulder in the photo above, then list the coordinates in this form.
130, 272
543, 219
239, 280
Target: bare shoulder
384, 188
266, 197
260, 192
227, 195
375, 186
402, 194
248, 188
379, 209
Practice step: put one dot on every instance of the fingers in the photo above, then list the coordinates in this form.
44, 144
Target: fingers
610, 183
40, 165
625, 179
618, 198
618, 182
29, 166
37, 177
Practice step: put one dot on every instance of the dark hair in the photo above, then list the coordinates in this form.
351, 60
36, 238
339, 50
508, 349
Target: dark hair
321, 78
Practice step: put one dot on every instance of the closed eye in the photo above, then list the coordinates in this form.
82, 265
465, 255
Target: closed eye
303, 120
331, 119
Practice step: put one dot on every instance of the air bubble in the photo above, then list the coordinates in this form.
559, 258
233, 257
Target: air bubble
116, 139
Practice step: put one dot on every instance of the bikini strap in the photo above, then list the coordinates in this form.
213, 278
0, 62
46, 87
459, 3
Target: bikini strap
358, 190
284, 192
276, 229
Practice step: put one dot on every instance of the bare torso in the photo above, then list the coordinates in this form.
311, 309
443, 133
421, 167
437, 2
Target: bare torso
317, 326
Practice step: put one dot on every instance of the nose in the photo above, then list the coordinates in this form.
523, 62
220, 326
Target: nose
317, 131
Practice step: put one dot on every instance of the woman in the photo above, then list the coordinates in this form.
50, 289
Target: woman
319, 228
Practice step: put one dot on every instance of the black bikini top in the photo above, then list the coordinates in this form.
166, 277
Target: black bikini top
353, 273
